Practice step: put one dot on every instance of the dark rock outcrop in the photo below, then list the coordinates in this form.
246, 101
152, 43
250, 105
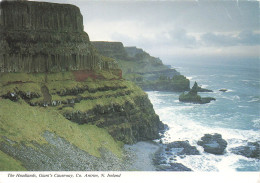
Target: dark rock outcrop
213, 144
182, 148
193, 97
251, 150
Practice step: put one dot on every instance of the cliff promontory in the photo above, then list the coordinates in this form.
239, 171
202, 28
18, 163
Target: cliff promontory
62, 105
146, 71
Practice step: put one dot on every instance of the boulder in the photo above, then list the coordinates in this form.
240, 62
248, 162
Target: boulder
251, 150
182, 148
213, 144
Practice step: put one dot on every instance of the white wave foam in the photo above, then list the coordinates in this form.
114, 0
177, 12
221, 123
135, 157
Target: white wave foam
230, 90
241, 106
255, 99
246, 80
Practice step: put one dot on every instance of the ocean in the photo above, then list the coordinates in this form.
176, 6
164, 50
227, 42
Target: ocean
235, 114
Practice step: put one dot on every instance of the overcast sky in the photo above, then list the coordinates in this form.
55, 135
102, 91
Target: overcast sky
176, 29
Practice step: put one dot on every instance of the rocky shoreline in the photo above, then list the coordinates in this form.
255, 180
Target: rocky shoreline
154, 156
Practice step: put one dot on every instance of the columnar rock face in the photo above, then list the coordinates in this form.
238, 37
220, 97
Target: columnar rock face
40, 16
44, 37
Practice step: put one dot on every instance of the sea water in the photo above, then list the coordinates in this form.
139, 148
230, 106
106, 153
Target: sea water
235, 113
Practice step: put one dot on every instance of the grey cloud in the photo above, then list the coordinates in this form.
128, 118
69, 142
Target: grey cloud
247, 38
176, 37
201, 15
182, 39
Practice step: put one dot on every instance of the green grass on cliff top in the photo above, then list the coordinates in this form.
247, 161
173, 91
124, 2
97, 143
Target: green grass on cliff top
22, 123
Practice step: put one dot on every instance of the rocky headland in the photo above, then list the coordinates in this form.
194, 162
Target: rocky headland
146, 71
63, 106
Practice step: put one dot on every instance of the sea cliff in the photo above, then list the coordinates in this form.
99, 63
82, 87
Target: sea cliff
63, 105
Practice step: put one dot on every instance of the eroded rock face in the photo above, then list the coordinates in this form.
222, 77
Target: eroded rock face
45, 37
213, 144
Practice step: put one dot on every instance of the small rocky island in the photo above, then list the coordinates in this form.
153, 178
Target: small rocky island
193, 97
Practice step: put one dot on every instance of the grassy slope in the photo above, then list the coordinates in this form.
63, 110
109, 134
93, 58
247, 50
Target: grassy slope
8, 163
22, 123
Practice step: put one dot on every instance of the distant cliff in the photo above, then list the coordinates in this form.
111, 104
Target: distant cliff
44, 37
145, 70
111, 49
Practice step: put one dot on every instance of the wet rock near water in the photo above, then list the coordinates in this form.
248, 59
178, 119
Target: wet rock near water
179, 148
251, 150
182, 148
173, 167
193, 97
213, 144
